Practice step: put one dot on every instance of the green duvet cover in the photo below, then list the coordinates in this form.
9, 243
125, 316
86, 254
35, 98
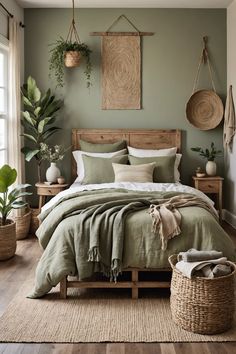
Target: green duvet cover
109, 230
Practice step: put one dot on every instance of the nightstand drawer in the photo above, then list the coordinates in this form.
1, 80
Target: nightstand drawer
48, 191
208, 186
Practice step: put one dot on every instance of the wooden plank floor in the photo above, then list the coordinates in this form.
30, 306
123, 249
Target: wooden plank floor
16, 270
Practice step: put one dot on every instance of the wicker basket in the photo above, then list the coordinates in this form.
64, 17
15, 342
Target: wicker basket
72, 58
22, 225
205, 110
202, 305
7, 241
34, 223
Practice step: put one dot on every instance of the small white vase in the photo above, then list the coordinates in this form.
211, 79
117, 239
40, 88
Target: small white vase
52, 173
211, 168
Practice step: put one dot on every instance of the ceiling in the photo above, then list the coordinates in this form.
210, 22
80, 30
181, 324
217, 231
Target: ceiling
127, 3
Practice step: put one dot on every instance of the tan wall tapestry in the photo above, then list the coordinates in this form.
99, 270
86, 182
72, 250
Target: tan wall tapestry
121, 72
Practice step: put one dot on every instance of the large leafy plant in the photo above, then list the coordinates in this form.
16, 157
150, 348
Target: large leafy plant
56, 61
209, 154
10, 199
37, 118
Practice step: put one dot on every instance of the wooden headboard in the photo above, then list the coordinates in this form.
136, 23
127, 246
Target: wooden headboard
142, 139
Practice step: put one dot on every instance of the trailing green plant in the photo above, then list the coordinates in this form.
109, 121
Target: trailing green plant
10, 199
210, 154
56, 61
37, 118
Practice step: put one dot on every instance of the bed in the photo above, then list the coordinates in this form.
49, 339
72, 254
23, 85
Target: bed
141, 251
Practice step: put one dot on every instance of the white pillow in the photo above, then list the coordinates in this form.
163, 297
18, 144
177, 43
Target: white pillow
160, 152
79, 160
149, 153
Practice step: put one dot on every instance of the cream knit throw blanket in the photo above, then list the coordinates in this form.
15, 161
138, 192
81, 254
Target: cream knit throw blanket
167, 218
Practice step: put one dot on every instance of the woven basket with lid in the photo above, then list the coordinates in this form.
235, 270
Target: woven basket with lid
202, 305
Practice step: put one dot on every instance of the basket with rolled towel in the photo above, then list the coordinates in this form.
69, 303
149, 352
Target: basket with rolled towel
202, 291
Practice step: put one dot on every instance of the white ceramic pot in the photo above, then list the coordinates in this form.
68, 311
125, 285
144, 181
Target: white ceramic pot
211, 168
52, 173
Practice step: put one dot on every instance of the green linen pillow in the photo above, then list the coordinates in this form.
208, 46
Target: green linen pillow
91, 147
164, 170
140, 173
99, 169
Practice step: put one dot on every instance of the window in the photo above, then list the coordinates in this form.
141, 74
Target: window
3, 104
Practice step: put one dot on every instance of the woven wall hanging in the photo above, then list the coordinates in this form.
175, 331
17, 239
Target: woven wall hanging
204, 109
121, 67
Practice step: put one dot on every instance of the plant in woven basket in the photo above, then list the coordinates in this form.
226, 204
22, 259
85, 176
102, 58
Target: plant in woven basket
57, 59
210, 154
68, 52
37, 118
10, 199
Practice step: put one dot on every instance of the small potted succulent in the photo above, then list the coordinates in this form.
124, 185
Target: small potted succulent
9, 200
68, 53
210, 154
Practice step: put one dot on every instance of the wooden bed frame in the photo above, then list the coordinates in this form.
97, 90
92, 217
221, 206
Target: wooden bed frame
143, 139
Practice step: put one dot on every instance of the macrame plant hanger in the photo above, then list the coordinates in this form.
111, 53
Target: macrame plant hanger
72, 57
72, 29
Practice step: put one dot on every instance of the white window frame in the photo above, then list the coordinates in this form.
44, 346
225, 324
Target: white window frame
4, 49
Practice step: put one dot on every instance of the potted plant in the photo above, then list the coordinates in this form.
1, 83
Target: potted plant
69, 53
210, 154
9, 200
53, 155
37, 118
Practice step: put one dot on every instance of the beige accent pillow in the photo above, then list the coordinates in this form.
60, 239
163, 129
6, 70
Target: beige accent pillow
136, 173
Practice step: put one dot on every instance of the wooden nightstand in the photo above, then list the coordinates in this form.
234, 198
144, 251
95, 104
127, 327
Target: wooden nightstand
44, 190
211, 185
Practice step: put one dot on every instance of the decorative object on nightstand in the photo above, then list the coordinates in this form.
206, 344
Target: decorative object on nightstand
52, 154
9, 201
44, 190
211, 185
199, 172
210, 155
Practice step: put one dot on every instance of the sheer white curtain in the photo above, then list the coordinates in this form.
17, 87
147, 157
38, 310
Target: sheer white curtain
15, 157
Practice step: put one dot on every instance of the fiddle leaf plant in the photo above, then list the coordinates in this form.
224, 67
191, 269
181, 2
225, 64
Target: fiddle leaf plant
56, 61
10, 199
37, 119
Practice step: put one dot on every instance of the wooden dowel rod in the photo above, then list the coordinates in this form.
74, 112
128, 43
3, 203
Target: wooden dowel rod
121, 34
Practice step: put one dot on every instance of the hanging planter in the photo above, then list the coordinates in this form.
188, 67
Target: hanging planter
69, 53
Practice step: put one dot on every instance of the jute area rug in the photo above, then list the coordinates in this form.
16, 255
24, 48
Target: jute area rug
94, 316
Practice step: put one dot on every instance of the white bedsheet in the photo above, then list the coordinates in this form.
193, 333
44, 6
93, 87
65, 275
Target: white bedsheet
149, 187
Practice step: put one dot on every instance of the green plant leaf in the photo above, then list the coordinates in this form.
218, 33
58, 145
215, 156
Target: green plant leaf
49, 132
30, 137
27, 101
33, 91
7, 175
18, 205
3, 187
28, 118
41, 126
29, 153
36, 111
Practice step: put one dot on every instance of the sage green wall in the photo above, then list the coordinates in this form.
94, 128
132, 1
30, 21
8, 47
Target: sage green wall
169, 62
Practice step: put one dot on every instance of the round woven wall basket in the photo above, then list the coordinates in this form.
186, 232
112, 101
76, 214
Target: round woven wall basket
7, 241
204, 110
72, 59
202, 305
